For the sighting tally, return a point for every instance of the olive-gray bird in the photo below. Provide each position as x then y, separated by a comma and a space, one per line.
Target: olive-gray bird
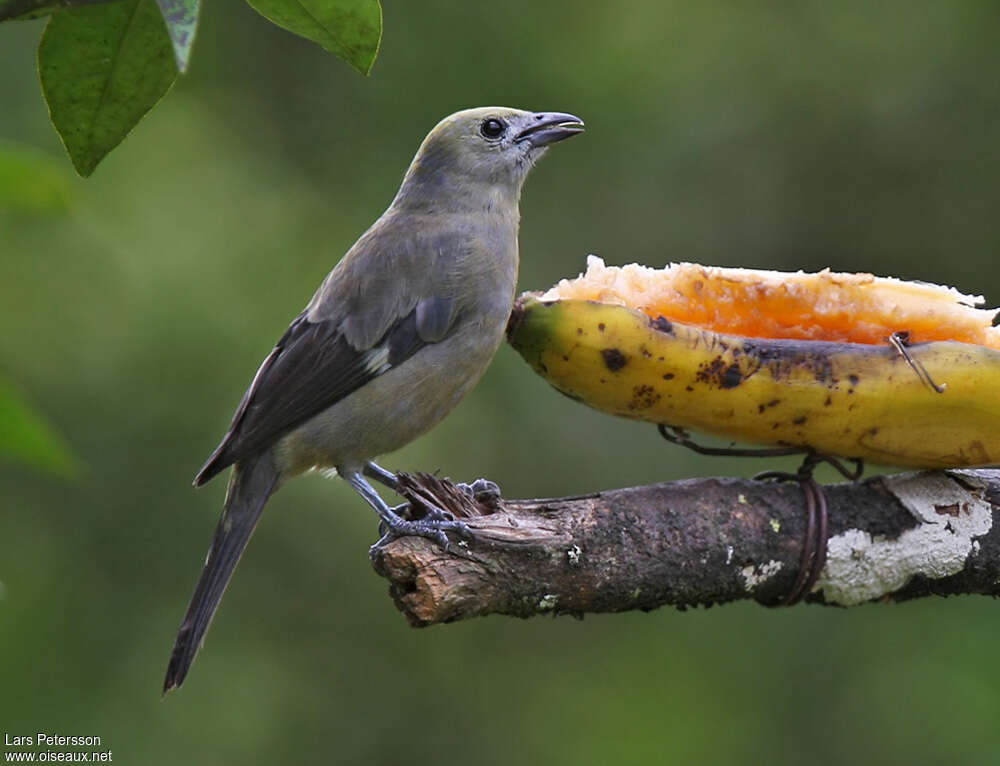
398, 332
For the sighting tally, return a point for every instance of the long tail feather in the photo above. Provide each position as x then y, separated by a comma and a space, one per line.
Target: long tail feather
251, 485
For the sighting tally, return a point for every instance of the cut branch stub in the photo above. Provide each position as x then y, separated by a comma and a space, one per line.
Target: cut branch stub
696, 541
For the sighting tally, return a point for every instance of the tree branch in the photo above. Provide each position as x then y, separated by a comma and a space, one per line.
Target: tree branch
697, 541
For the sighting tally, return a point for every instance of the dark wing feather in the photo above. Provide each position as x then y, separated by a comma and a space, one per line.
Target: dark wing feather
311, 368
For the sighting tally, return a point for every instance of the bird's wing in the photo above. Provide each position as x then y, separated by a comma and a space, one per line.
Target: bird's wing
397, 262
315, 365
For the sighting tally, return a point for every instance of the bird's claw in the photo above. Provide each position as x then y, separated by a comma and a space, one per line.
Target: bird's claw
480, 487
434, 529
437, 514
405, 511
436, 523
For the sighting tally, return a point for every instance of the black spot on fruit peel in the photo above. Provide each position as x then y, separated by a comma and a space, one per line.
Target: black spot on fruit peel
828, 402
710, 372
643, 397
732, 377
662, 324
785, 359
853, 379
668, 376
720, 374
800, 420
614, 359
600, 327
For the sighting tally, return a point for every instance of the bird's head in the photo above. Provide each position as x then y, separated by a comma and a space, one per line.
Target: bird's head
494, 146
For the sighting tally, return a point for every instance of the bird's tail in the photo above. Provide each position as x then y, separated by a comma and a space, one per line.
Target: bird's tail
252, 483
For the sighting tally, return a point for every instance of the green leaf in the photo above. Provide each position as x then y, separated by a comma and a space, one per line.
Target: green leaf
182, 22
27, 437
351, 29
102, 68
32, 181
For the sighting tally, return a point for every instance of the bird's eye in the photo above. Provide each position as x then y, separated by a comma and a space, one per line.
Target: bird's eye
492, 128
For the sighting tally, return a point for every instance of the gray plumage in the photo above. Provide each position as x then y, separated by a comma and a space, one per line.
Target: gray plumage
396, 335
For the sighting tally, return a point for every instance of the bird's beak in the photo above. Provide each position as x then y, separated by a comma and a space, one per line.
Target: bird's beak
548, 127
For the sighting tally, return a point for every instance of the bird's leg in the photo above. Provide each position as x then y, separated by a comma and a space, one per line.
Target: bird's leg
435, 528
386, 478
389, 479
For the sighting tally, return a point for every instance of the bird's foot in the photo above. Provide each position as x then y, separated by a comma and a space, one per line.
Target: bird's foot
405, 512
480, 489
434, 526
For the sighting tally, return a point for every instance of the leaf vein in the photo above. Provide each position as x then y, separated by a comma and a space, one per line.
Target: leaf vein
115, 61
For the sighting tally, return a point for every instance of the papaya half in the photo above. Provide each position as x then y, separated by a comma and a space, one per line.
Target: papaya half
893, 372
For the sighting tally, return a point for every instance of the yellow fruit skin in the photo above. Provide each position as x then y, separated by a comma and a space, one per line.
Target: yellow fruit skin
847, 399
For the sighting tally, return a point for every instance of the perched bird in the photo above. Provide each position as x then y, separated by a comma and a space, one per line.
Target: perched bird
398, 332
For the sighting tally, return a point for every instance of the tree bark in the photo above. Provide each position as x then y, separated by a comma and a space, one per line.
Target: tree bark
696, 541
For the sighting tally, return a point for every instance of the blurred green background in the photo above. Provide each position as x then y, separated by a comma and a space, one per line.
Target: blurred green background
783, 135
